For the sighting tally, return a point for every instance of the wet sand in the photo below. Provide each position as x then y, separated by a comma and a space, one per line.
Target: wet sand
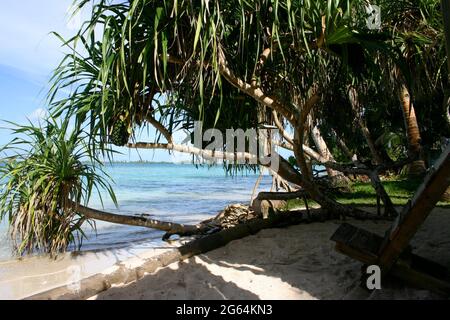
20, 278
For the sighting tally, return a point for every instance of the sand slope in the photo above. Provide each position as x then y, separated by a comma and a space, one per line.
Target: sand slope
298, 262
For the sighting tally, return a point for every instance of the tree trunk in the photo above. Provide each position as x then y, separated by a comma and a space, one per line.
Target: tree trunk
389, 209
124, 274
336, 177
445, 7
266, 201
416, 168
322, 148
343, 146
306, 143
354, 101
315, 193
140, 221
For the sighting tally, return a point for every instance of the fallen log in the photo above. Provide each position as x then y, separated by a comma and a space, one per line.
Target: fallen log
120, 274
266, 201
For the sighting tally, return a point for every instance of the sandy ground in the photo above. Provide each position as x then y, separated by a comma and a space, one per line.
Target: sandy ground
298, 262
20, 278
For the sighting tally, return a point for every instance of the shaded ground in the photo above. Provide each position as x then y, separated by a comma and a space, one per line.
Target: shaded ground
362, 193
298, 262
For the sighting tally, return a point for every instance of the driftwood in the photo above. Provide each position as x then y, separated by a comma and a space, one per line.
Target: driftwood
267, 201
100, 282
235, 222
231, 216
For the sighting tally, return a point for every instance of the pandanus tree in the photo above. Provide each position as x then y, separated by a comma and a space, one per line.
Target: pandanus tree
48, 169
231, 64
260, 52
419, 35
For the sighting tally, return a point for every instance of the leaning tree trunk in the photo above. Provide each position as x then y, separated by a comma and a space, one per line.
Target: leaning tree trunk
336, 177
312, 188
322, 148
140, 221
416, 168
445, 7
343, 146
354, 101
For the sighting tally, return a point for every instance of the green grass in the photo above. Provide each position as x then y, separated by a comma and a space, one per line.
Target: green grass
362, 193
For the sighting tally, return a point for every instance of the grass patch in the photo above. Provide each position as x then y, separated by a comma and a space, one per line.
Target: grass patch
362, 193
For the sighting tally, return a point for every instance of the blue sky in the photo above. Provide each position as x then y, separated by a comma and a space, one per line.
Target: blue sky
29, 53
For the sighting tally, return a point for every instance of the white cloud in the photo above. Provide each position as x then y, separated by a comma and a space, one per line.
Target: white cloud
25, 34
38, 115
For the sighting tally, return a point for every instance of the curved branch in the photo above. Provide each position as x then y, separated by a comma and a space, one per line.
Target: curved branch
160, 127
139, 221
343, 146
254, 92
285, 170
280, 127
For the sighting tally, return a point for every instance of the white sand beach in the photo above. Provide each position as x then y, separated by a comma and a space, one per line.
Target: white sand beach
21, 278
298, 262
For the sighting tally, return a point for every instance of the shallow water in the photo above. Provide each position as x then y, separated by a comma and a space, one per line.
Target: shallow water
171, 192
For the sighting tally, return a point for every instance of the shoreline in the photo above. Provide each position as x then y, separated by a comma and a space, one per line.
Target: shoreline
24, 277
297, 262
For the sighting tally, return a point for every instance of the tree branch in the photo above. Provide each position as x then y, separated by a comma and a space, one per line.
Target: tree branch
206, 154
254, 92
160, 127
140, 221
280, 127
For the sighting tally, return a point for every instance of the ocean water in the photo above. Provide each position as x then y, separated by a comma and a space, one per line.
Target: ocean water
170, 192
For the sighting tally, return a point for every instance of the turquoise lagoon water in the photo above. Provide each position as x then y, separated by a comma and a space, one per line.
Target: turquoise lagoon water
171, 192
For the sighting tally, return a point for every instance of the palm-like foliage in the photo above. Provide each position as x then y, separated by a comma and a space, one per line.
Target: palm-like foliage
46, 170
173, 62
174, 48
152, 47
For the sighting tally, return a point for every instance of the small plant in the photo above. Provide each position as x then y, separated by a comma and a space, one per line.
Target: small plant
45, 172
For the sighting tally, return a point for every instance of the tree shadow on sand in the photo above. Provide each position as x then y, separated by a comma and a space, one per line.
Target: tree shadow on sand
189, 281
298, 262
275, 268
